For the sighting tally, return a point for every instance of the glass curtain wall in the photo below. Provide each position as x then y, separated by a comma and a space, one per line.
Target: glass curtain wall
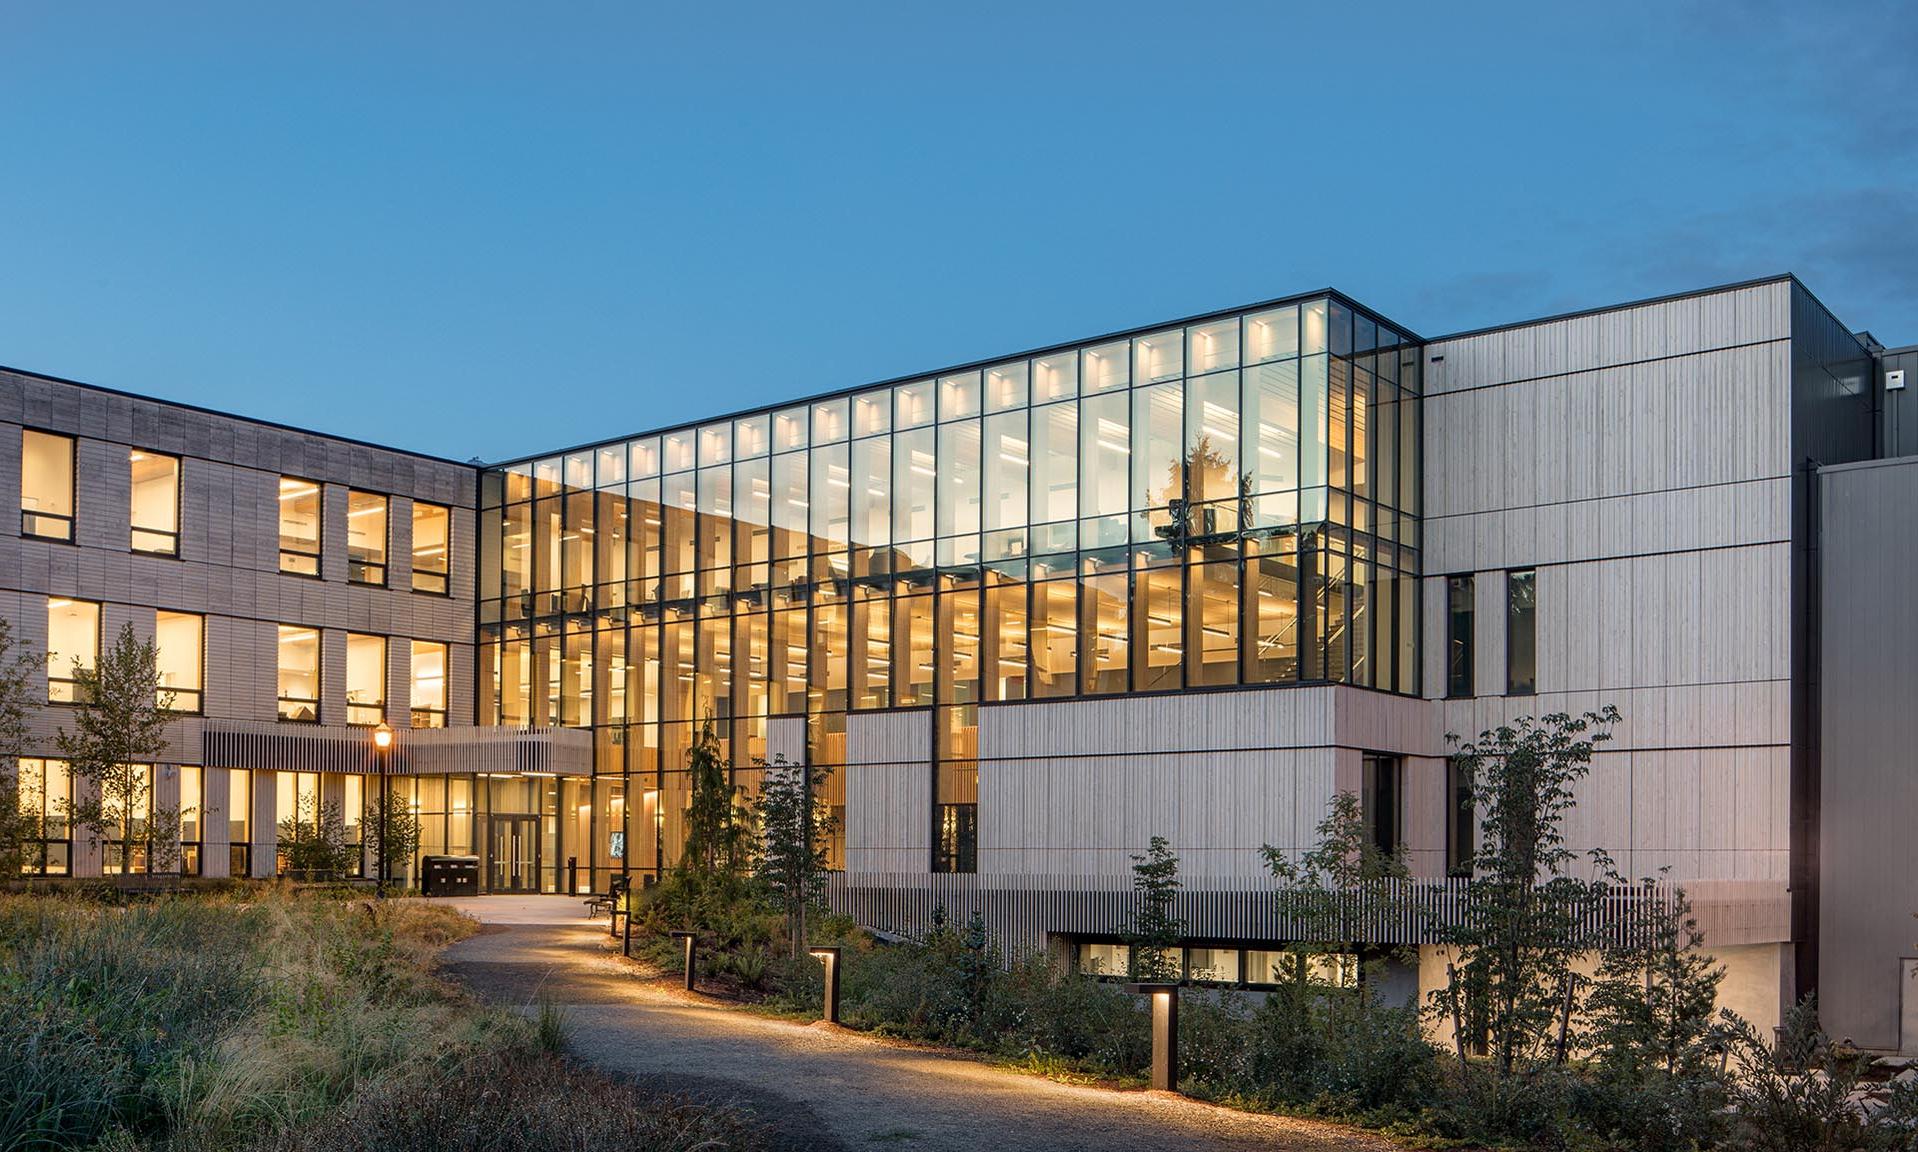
1228, 502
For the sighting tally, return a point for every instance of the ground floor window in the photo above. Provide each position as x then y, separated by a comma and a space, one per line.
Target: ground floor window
957, 849
1225, 964
45, 792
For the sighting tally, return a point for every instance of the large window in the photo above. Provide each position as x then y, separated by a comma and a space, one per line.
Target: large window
46, 485
192, 818
429, 684
179, 640
299, 526
432, 547
958, 846
1458, 636
1521, 633
155, 505
73, 643
365, 678
45, 789
366, 538
299, 674
1229, 502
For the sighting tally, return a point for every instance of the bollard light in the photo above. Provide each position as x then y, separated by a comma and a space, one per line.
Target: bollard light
1165, 1033
829, 956
689, 939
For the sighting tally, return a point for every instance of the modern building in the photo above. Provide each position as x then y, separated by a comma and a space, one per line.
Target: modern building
1188, 580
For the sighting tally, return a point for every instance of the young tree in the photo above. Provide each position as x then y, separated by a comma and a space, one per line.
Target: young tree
1652, 998
402, 830
119, 735
1154, 936
313, 841
17, 826
795, 829
1521, 928
714, 822
1330, 888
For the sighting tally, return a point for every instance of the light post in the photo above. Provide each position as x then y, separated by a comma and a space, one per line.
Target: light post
829, 956
1165, 1032
691, 942
382, 746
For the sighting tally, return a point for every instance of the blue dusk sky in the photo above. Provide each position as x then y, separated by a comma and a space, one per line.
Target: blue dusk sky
490, 230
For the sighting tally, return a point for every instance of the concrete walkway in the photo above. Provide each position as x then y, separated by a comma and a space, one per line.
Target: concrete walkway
817, 1087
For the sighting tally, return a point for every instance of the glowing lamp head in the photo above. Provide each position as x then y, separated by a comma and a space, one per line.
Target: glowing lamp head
383, 736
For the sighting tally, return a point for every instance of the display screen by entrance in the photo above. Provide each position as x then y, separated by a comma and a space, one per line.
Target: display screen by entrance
512, 854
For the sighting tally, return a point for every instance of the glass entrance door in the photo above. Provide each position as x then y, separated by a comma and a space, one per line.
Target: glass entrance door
512, 854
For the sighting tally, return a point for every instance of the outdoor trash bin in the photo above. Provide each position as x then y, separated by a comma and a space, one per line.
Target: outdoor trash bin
449, 875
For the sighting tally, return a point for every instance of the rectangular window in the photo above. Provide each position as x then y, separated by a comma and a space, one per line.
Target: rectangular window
366, 538
1212, 965
299, 662
192, 819
429, 684
73, 643
1521, 636
155, 506
432, 547
45, 788
365, 678
239, 818
958, 847
1460, 819
179, 640
1458, 641
299, 527
1104, 959
46, 485
1381, 801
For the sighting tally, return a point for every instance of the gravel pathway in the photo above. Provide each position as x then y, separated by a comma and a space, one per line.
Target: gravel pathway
820, 1088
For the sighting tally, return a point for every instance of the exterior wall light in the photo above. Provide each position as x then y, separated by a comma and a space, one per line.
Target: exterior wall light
1165, 1033
829, 956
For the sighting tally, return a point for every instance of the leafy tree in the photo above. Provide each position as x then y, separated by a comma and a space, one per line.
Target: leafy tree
1652, 998
1330, 889
402, 830
17, 826
1520, 930
313, 842
714, 823
1154, 936
795, 829
119, 734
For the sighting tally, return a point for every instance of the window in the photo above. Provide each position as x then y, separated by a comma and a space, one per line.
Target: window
192, 819
46, 485
429, 684
1460, 819
299, 527
958, 847
239, 817
1521, 636
1104, 959
73, 643
45, 788
365, 679
179, 640
1458, 642
1212, 965
299, 674
365, 538
432, 551
127, 849
1381, 801
155, 506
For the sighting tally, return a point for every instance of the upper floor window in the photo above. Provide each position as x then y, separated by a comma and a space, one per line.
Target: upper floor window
179, 641
299, 526
429, 684
46, 485
1381, 801
1521, 633
73, 643
299, 663
365, 678
432, 552
1458, 638
155, 518
365, 538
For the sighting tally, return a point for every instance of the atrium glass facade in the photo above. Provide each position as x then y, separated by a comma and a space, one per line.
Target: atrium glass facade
1228, 501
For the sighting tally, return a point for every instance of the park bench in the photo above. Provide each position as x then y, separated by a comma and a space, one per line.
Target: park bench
609, 900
